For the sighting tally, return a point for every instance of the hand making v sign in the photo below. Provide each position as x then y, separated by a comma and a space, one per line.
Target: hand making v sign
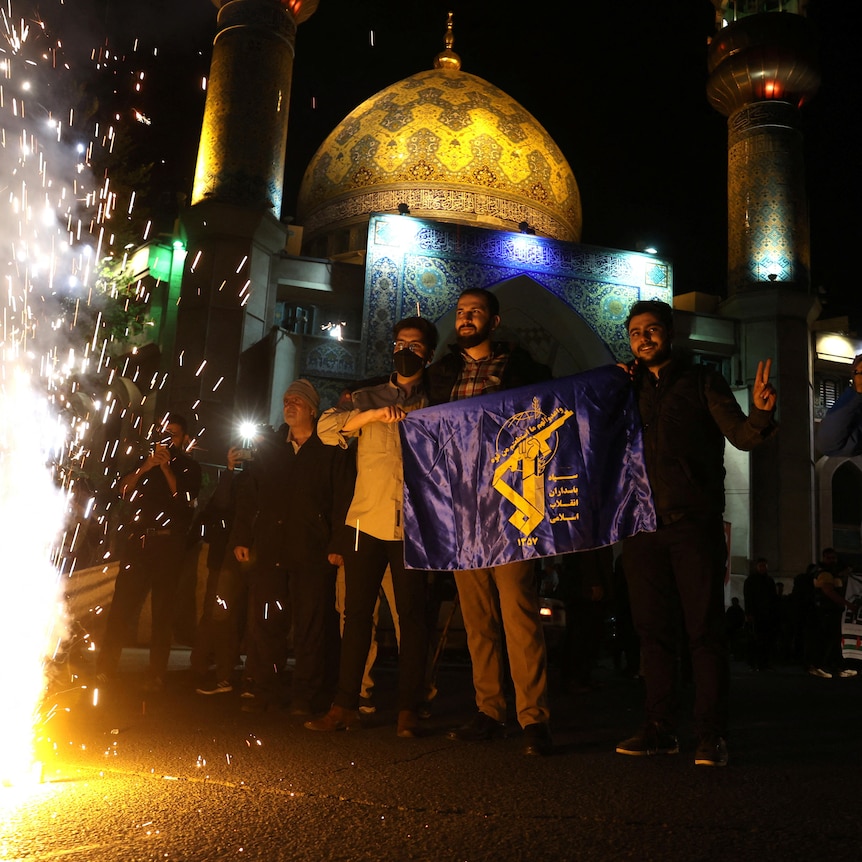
763, 394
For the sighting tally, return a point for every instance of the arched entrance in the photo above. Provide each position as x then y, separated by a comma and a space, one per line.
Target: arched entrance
553, 333
840, 485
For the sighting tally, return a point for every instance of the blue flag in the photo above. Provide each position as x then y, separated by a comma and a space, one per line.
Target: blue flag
530, 472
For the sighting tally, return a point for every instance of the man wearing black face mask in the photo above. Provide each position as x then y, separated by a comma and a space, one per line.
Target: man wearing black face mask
375, 519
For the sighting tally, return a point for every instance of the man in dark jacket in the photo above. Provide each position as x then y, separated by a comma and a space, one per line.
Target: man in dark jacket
499, 605
289, 524
687, 411
160, 495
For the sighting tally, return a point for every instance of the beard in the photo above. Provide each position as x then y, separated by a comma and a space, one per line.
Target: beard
659, 357
471, 339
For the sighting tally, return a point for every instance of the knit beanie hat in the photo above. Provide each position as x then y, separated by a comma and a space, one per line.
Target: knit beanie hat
303, 389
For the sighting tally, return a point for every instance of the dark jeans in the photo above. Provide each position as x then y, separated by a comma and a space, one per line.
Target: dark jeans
268, 629
316, 640
680, 568
762, 643
222, 622
153, 567
306, 600
363, 574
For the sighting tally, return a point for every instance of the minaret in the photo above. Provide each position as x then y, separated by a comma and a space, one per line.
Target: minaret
233, 227
761, 71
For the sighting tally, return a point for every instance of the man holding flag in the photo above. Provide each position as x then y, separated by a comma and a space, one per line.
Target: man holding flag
687, 411
500, 603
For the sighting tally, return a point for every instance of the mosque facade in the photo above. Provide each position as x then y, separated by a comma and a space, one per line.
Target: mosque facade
441, 181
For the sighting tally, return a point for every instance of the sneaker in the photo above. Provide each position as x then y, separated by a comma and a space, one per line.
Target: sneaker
818, 671
481, 728
711, 751
848, 672
650, 739
366, 706
220, 687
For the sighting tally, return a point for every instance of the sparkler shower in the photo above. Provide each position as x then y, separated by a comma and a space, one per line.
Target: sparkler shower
55, 229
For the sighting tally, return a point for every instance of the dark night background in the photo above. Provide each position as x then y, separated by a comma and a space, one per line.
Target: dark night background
619, 86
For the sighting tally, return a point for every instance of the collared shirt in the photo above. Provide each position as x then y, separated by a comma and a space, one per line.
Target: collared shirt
379, 492
479, 376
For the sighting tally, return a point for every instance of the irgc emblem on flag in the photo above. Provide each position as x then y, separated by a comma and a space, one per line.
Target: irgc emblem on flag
531, 472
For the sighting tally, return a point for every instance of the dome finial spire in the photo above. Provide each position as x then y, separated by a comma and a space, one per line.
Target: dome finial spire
448, 59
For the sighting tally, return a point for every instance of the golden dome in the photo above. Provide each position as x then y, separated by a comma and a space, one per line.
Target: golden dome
449, 145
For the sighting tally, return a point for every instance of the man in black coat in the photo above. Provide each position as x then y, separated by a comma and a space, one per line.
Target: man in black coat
687, 411
160, 495
288, 525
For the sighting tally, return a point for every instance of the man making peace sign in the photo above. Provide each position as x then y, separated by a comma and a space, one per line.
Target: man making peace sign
687, 411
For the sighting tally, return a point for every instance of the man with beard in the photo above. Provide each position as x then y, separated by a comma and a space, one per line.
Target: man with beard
687, 411
500, 604
375, 518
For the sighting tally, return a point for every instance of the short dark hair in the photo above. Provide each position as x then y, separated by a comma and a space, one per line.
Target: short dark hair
652, 306
425, 326
177, 419
490, 298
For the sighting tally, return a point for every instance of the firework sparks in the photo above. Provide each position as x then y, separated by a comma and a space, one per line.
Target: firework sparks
57, 299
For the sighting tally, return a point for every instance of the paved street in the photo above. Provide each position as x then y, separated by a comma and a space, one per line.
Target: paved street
184, 777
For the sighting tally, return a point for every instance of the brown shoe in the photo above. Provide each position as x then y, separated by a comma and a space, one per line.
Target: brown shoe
338, 718
408, 724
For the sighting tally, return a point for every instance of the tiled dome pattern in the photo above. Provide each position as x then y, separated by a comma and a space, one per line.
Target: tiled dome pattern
451, 146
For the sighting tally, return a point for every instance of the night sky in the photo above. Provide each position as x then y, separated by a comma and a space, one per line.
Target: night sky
619, 85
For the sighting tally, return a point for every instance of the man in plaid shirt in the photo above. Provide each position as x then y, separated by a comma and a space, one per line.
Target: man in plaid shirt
500, 604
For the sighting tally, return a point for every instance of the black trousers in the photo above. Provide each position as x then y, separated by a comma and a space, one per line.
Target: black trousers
679, 570
153, 567
363, 575
826, 651
223, 620
304, 599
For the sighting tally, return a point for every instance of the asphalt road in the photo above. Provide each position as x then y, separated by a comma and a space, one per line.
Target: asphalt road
179, 776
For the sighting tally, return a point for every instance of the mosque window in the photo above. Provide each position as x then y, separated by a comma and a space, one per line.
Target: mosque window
828, 392
732, 10
296, 319
715, 363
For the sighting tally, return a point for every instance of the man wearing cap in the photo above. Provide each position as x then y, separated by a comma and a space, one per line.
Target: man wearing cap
287, 524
